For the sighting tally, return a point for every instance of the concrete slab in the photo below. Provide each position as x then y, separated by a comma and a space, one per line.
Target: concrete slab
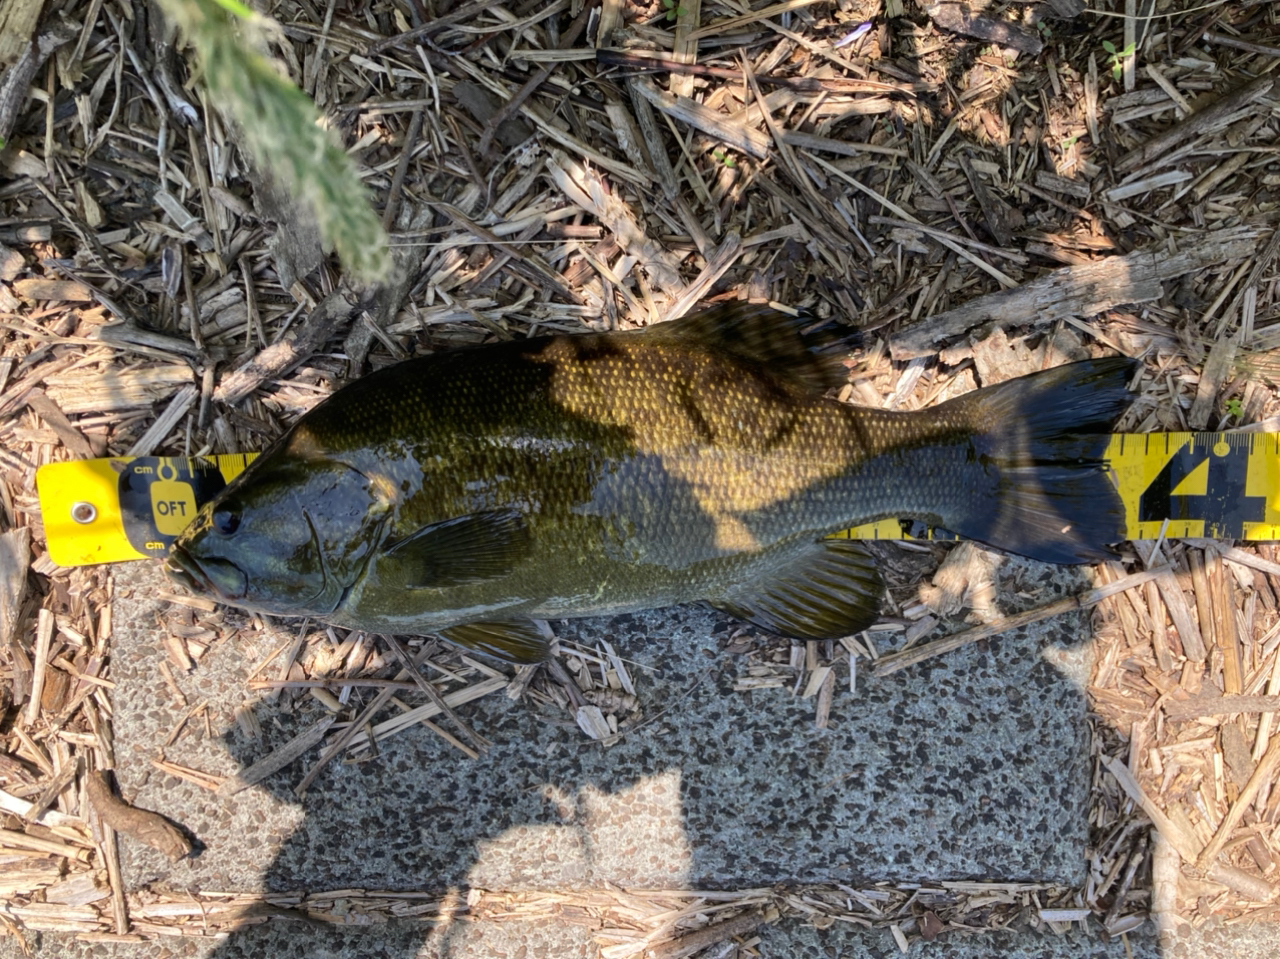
969, 767
972, 766
269, 941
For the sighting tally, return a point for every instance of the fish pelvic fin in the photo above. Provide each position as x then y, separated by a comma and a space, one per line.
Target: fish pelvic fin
830, 591
512, 641
1039, 441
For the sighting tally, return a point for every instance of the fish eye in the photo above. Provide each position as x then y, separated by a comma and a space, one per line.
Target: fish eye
226, 522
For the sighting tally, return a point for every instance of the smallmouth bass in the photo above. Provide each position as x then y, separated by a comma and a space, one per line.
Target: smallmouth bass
470, 492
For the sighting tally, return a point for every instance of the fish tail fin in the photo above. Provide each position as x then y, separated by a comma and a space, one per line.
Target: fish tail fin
1040, 442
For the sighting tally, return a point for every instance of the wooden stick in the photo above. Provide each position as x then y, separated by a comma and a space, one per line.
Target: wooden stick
426, 711
433, 694
1224, 41
343, 739
1182, 710
1175, 601
893, 662
1002, 278
711, 122
21, 840
896, 661
44, 635
700, 939
1262, 774
15, 558
330, 315
638, 63
56, 420
397, 684
1196, 124
1078, 290
933, 231
110, 850
1178, 839
353, 730
277, 759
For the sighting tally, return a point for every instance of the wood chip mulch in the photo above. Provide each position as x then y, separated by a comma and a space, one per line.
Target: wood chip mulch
983, 191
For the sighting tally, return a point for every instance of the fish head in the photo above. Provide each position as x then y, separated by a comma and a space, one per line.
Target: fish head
288, 536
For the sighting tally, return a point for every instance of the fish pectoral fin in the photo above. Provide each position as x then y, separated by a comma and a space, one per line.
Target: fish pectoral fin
513, 640
830, 592
465, 549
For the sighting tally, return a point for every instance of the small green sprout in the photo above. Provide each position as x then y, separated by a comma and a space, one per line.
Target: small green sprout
724, 158
1068, 143
1235, 408
673, 9
1118, 57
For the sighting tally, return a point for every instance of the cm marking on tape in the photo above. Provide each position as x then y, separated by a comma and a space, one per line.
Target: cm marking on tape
1220, 485
1217, 485
108, 510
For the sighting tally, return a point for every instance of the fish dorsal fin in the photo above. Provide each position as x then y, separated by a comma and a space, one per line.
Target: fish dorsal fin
461, 550
786, 346
832, 591
514, 640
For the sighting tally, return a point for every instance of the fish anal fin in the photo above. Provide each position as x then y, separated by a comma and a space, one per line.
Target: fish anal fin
831, 591
514, 640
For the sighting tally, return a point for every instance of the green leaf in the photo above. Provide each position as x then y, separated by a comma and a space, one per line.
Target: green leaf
1109, 47
282, 129
1235, 408
236, 8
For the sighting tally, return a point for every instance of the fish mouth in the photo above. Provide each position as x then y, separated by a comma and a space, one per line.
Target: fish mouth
219, 577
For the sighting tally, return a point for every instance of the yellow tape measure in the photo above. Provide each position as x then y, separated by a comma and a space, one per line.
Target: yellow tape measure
126, 507
1220, 485
1215, 485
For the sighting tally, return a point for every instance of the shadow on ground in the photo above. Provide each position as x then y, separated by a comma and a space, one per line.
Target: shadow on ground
971, 766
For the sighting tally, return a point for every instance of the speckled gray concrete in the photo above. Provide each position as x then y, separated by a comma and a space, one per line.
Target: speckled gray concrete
543, 939
970, 766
